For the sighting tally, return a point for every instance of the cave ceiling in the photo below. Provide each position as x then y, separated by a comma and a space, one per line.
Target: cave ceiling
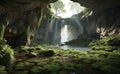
25, 5
16, 8
99, 5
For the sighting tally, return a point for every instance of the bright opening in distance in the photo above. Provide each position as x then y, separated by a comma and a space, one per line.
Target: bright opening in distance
70, 9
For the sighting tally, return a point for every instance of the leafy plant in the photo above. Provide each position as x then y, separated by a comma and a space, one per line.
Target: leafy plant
6, 55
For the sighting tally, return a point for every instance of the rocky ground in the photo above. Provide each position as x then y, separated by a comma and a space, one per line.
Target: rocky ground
39, 60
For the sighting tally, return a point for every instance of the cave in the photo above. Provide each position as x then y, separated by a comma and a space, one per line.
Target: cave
59, 36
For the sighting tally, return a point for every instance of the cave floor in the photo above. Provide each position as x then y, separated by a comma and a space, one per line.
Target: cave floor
39, 60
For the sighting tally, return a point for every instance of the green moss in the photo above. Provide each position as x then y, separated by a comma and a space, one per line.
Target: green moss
22, 66
109, 69
36, 70
110, 43
7, 55
69, 67
26, 49
68, 61
97, 65
21, 72
54, 67
3, 72
31, 54
42, 64
2, 68
47, 53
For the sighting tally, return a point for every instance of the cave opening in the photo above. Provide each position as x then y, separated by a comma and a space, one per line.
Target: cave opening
66, 8
70, 27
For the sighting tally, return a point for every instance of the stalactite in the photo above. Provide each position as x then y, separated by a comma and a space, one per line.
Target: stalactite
40, 18
28, 35
2, 29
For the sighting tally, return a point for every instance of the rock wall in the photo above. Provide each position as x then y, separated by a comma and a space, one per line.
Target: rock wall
104, 20
21, 18
98, 6
107, 22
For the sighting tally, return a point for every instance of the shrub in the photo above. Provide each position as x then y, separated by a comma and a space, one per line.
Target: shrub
109, 43
6, 55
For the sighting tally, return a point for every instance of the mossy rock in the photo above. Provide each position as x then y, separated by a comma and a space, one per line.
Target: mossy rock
69, 67
6, 55
21, 72
41, 63
114, 41
36, 70
107, 41
110, 43
22, 66
38, 48
97, 65
3, 72
31, 54
98, 48
47, 53
109, 69
2, 42
2, 68
53, 67
26, 49
63, 72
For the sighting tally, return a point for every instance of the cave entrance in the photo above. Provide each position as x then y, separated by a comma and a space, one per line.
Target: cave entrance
66, 8
67, 13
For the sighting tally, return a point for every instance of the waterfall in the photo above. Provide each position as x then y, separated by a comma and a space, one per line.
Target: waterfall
64, 30
72, 30
64, 34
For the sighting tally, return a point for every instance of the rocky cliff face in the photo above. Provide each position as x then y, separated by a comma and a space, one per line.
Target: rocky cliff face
105, 15
99, 5
20, 19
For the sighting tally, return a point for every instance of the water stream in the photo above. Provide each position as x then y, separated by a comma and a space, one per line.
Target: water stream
67, 47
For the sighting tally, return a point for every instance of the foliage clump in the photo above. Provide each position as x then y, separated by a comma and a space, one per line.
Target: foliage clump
31, 52
2, 70
108, 43
6, 54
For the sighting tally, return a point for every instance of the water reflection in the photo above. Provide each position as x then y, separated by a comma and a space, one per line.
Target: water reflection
66, 47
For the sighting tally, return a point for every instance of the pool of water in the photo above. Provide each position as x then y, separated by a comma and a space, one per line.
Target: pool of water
66, 47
